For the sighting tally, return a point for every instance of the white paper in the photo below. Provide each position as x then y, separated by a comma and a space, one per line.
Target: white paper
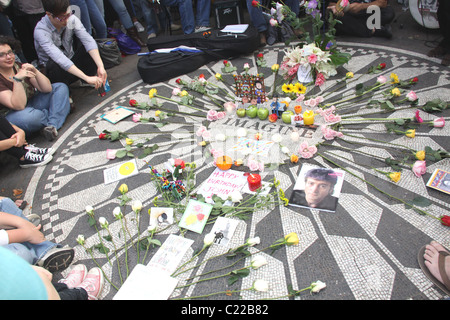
224, 229
145, 283
222, 183
235, 28
120, 171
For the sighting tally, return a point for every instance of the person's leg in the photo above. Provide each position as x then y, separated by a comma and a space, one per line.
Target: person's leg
149, 17
82, 8
97, 20
101, 7
29, 119
294, 5
186, 13
66, 293
257, 20
6, 133
203, 13
125, 19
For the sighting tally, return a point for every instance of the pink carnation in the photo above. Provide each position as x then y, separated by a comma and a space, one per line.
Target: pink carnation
300, 98
221, 115
320, 79
331, 118
211, 115
330, 134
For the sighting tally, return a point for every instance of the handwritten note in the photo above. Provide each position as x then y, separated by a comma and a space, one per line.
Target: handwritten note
222, 183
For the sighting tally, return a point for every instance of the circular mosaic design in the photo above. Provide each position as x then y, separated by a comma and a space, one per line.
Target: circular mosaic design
367, 249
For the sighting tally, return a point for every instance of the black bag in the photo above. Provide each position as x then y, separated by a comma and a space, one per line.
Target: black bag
213, 46
109, 52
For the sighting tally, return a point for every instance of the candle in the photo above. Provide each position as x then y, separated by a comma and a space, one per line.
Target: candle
224, 162
298, 109
254, 181
308, 117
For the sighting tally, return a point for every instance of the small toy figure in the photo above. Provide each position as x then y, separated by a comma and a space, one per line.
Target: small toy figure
277, 107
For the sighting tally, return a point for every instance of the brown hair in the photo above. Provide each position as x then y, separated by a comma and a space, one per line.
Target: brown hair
56, 7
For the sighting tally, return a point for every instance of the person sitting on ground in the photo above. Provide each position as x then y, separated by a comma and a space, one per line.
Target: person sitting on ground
12, 141
27, 98
443, 48
355, 18
21, 281
434, 260
54, 39
24, 238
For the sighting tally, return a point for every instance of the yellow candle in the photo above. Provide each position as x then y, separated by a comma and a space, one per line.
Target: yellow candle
308, 117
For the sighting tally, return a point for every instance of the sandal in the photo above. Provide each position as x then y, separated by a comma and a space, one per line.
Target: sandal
442, 254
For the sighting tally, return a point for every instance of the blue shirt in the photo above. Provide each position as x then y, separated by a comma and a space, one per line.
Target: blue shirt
58, 45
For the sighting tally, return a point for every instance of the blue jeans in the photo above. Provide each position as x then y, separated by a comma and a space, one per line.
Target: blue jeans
203, 13
30, 252
44, 109
122, 12
186, 13
150, 17
91, 17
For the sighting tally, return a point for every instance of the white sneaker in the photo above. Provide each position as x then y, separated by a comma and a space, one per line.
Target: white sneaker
201, 29
151, 35
139, 26
175, 27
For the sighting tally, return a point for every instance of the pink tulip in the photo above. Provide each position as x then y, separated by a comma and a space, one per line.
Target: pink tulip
439, 123
419, 168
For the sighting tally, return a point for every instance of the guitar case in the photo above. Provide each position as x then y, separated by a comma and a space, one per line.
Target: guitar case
161, 64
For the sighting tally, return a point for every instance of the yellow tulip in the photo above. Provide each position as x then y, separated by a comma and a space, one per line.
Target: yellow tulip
394, 78
395, 176
420, 155
152, 93
411, 133
291, 239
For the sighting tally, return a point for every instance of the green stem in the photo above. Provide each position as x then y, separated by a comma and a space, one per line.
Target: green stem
216, 293
115, 253
356, 96
211, 278
104, 274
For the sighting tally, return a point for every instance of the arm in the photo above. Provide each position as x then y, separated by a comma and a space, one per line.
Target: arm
358, 7
101, 72
24, 231
39, 80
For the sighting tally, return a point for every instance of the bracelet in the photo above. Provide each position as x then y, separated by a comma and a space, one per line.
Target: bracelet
17, 79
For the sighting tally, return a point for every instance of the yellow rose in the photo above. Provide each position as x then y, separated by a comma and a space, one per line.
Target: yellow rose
349, 75
420, 155
129, 141
275, 67
157, 113
218, 76
123, 188
291, 239
394, 176
411, 133
183, 93
152, 93
396, 92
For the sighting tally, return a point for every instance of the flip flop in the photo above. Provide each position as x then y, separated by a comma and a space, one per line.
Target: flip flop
442, 254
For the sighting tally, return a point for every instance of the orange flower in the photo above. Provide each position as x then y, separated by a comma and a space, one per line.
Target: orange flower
294, 158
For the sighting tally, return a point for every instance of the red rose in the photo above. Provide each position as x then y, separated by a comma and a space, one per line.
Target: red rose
255, 3
178, 81
202, 76
133, 102
382, 66
445, 220
102, 136
260, 55
225, 62
414, 80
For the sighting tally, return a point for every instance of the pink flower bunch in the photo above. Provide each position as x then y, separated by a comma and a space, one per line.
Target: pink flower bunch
213, 115
216, 154
320, 79
204, 133
306, 151
419, 168
330, 134
137, 117
254, 165
313, 102
328, 115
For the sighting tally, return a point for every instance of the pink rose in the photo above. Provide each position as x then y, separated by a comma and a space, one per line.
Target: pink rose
206, 135
411, 96
381, 79
419, 168
330, 134
307, 151
344, 3
332, 118
221, 115
176, 91
273, 22
439, 123
137, 117
110, 154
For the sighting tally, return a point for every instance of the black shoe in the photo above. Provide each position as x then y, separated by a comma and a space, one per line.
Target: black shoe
384, 32
50, 133
57, 259
32, 148
34, 160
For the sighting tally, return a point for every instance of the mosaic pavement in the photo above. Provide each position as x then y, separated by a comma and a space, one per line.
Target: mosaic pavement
366, 250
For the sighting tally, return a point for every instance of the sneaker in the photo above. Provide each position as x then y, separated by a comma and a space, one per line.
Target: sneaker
93, 283
139, 26
34, 219
34, 160
32, 148
50, 133
151, 35
75, 277
201, 29
57, 259
175, 27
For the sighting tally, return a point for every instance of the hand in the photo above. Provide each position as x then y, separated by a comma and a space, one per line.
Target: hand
95, 81
101, 73
34, 235
20, 138
26, 72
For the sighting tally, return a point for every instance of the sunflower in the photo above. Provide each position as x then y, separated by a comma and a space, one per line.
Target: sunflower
299, 88
287, 88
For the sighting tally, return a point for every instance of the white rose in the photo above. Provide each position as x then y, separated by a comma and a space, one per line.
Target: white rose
236, 196
285, 150
209, 239
117, 213
253, 241
317, 286
241, 132
103, 222
276, 138
89, 209
137, 205
261, 285
258, 262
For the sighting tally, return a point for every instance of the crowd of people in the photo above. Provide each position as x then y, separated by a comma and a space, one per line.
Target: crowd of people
58, 47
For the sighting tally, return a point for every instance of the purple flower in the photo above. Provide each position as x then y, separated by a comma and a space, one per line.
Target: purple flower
312, 4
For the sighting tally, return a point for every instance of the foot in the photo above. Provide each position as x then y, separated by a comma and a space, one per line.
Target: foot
446, 60
436, 52
34, 219
175, 27
139, 26
201, 29
75, 277
57, 259
431, 257
31, 159
151, 35
93, 283
50, 133
32, 148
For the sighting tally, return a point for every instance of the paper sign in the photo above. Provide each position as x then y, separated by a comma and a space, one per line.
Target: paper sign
117, 114
169, 255
440, 180
252, 146
222, 183
223, 230
145, 283
120, 171
195, 216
